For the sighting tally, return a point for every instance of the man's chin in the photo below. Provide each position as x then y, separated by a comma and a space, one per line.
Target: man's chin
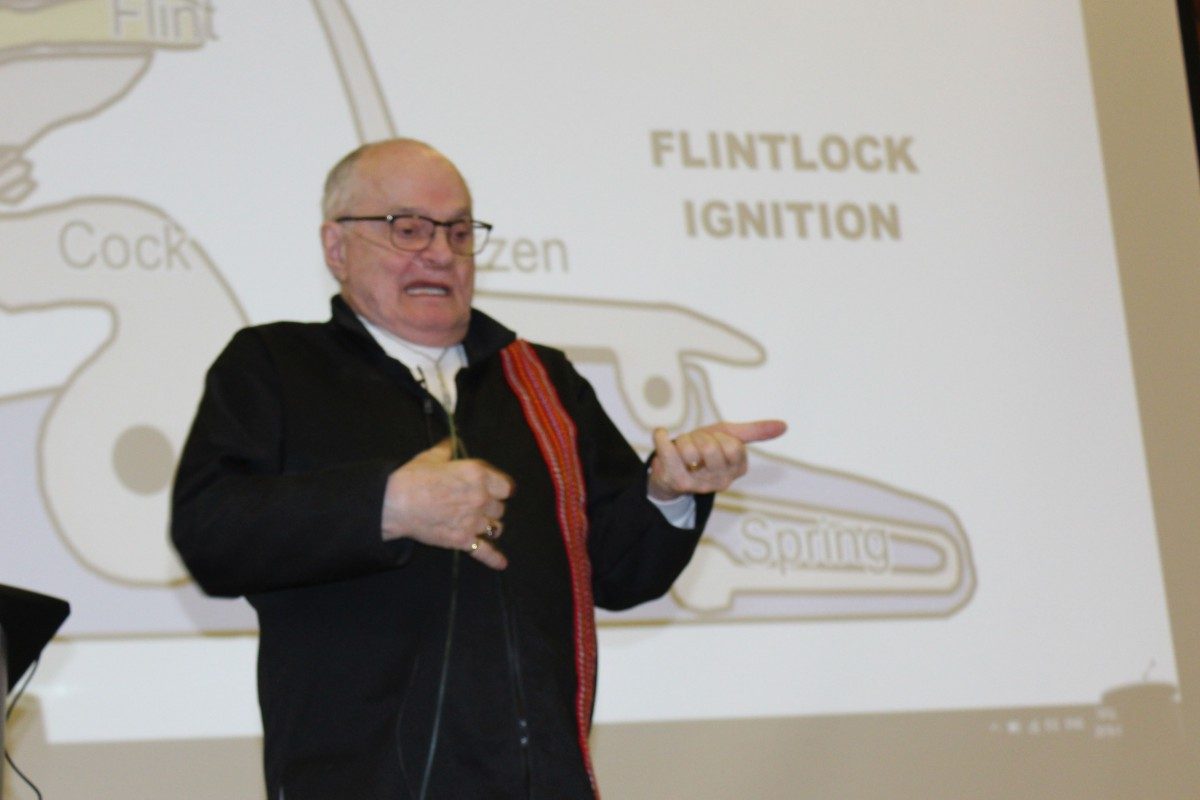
431, 329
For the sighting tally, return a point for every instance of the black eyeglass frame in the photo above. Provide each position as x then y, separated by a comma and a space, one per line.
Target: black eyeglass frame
477, 225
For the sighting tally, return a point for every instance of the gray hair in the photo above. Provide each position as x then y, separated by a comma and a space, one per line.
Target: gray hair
339, 182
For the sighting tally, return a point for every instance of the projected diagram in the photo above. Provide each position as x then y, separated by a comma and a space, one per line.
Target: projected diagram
795, 541
111, 425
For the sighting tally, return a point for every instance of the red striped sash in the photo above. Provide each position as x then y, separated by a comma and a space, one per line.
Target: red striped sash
555, 433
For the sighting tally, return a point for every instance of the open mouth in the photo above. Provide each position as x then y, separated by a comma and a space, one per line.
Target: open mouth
426, 290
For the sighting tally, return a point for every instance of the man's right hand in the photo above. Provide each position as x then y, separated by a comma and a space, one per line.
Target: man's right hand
455, 504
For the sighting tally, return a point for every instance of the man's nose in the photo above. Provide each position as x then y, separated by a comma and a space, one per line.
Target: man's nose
438, 250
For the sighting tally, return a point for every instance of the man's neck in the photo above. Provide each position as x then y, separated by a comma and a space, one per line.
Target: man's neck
433, 367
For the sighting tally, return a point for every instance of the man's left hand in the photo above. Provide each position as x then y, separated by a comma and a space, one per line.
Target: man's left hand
707, 459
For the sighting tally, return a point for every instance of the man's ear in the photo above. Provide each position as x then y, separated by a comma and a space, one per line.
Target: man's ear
333, 245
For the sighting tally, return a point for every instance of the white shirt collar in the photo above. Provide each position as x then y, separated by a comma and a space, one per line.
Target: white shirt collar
433, 367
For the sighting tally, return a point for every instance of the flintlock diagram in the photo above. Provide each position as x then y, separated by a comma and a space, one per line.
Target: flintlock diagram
793, 541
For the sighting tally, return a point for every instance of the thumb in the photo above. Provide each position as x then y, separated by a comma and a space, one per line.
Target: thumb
440, 453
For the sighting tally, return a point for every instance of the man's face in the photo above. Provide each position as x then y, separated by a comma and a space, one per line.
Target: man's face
423, 296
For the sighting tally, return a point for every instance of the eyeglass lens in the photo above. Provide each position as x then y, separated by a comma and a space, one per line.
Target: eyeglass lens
464, 237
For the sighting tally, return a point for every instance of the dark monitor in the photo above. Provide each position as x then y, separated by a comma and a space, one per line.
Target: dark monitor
29, 620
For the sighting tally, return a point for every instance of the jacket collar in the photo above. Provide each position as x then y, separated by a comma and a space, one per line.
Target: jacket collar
485, 336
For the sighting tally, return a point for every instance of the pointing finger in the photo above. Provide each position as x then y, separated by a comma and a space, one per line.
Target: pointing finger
756, 431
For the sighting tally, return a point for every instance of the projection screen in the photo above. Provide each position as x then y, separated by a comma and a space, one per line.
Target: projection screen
953, 244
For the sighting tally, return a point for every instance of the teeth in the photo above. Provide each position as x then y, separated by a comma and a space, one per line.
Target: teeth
433, 291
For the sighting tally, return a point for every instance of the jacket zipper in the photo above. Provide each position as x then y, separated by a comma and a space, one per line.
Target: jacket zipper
514, 672
512, 653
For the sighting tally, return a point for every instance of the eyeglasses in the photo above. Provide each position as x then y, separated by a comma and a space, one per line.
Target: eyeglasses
413, 232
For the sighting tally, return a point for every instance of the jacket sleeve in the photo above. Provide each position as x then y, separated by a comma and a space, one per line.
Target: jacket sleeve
242, 523
635, 553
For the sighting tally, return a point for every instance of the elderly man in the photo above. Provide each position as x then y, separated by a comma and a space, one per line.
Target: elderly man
423, 510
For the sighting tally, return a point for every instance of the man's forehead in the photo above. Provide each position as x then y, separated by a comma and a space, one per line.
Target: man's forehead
410, 177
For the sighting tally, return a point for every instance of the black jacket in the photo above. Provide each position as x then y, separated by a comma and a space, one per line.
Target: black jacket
278, 497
